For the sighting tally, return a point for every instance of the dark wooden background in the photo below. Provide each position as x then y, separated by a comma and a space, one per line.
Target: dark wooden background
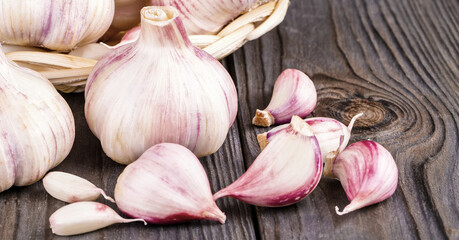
395, 60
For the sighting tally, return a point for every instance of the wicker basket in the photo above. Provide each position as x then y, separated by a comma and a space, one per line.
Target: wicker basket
69, 73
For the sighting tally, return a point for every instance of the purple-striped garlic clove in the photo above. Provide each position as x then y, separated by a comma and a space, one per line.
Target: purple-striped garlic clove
285, 172
294, 94
70, 188
181, 94
57, 25
332, 135
167, 184
368, 174
83, 217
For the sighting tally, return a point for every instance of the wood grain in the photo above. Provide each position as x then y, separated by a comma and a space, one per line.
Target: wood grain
395, 60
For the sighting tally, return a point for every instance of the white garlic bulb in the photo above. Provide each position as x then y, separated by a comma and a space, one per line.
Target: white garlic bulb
207, 16
36, 125
159, 89
57, 25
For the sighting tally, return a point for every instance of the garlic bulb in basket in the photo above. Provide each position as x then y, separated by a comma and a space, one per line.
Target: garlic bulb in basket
207, 16
57, 25
159, 89
36, 125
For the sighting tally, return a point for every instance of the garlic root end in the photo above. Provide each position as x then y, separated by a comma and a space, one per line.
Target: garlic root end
263, 118
262, 140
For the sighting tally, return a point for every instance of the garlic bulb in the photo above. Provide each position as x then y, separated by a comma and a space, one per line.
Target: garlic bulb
159, 89
333, 137
207, 16
285, 172
368, 174
57, 25
294, 94
83, 217
36, 125
70, 188
167, 184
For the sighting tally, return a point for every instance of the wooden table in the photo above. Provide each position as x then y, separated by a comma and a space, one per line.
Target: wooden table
395, 60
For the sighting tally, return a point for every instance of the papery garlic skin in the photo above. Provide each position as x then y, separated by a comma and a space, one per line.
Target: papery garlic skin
333, 137
368, 174
159, 89
37, 128
57, 25
71, 188
294, 94
167, 184
207, 16
83, 217
285, 172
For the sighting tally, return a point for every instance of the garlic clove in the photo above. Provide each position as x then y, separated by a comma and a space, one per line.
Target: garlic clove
57, 25
208, 16
332, 135
83, 217
158, 89
368, 174
294, 94
37, 127
70, 188
167, 184
285, 172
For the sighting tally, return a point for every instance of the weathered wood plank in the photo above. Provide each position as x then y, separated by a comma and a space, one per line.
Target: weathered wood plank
397, 61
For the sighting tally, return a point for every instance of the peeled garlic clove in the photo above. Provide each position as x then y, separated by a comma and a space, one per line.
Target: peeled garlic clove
57, 25
208, 16
331, 134
167, 184
83, 217
293, 94
285, 172
159, 89
70, 188
368, 174
37, 128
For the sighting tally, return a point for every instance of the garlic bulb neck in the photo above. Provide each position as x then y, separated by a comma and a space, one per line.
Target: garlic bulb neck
162, 26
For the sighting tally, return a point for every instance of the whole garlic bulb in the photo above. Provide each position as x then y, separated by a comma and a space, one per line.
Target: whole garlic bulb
159, 89
36, 125
58, 25
207, 16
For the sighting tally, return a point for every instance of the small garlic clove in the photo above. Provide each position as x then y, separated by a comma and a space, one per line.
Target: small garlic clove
70, 188
333, 137
167, 184
285, 172
83, 217
368, 174
294, 94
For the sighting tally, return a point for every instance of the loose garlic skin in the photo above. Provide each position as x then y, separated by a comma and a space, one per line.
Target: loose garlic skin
284, 173
83, 217
159, 89
368, 174
208, 16
70, 188
57, 25
37, 128
167, 184
333, 137
294, 94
